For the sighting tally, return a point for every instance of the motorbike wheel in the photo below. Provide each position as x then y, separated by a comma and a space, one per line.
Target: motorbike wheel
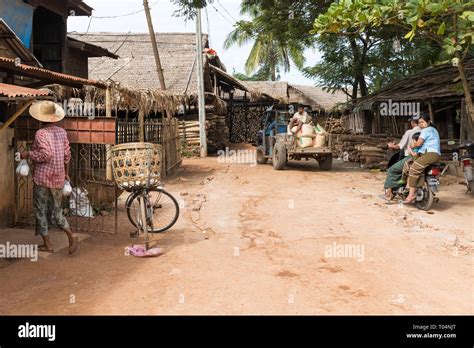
427, 201
261, 159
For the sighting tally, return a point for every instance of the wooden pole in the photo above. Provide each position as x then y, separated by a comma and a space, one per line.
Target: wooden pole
16, 115
159, 70
430, 108
141, 124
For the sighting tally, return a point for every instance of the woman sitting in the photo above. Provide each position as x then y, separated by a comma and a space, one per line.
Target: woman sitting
429, 152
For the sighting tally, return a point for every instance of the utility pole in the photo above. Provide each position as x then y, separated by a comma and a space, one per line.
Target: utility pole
159, 70
200, 80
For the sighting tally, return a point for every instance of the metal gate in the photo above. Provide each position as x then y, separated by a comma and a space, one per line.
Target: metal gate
93, 206
157, 131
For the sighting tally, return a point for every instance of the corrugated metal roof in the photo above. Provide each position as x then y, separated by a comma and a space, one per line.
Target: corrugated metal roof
13, 91
47, 75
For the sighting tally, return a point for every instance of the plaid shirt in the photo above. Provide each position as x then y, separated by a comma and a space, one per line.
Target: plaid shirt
49, 152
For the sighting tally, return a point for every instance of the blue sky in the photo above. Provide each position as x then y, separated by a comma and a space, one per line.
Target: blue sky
222, 14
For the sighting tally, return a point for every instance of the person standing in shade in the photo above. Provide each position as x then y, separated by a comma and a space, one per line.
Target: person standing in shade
50, 155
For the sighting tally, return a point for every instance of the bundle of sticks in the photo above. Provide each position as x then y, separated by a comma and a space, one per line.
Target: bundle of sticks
216, 130
335, 126
246, 122
371, 151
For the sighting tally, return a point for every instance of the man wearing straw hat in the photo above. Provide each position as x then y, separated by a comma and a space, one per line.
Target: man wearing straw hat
50, 154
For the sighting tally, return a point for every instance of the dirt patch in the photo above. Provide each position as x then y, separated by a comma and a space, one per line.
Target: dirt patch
252, 240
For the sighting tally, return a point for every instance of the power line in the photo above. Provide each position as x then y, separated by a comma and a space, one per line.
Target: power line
227, 20
115, 52
235, 20
126, 14
88, 27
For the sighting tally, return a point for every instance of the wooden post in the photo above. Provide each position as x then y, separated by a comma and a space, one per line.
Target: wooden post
16, 115
108, 148
159, 69
450, 123
141, 125
215, 85
164, 142
430, 108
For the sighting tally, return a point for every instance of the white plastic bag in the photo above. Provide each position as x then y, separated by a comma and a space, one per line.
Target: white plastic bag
23, 168
79, 203
67, 189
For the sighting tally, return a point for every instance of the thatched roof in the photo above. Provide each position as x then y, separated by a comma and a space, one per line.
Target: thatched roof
287, 93
277, 90
437, 82
321, 99
136, 66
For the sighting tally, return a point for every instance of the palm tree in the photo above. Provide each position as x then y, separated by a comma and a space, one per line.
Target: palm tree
269, 53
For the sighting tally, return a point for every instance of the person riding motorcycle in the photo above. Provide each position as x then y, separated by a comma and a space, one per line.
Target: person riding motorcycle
394, 173
430, 153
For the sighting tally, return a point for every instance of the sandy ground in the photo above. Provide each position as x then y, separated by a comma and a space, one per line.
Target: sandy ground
251, 240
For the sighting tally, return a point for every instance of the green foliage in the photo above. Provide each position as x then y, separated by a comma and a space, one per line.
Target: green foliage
447, 22
187, 8
263, 74
274, 46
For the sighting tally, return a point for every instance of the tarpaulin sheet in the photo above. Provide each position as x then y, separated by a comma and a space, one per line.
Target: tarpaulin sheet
19, 17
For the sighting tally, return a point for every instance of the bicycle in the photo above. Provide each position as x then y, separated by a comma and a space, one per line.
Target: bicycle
150, 208
156, 200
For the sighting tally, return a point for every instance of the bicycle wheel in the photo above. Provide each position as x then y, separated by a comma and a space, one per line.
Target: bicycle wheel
162, 210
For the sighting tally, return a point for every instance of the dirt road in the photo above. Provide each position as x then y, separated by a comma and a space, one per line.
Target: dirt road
251, 240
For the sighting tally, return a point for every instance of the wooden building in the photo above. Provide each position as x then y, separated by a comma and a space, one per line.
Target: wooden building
436, 90
247, 109
136, 69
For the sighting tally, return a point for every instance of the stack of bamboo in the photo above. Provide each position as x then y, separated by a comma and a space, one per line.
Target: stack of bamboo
216, 129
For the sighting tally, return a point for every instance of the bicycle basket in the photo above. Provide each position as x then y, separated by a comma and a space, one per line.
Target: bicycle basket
136, 165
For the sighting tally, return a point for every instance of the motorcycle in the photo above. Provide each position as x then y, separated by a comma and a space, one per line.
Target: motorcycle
466, 163
426, 193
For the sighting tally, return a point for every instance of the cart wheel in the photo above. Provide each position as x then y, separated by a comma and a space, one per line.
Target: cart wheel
279, 156
261, 159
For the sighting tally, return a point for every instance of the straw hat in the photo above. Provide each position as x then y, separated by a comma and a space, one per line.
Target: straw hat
47, 111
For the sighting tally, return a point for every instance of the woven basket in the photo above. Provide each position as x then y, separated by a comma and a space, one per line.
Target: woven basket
136, 165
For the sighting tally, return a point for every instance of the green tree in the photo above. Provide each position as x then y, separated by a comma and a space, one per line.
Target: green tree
371, 62
261, 75
269, 52
449, 23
